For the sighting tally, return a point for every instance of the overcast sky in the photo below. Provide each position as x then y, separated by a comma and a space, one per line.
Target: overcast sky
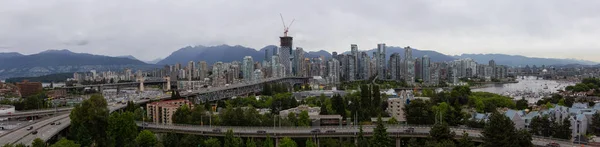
149, 29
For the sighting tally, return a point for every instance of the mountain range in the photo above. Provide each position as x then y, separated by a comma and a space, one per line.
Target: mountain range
224, 53
14, 64
416, 53
61, 61
518, 60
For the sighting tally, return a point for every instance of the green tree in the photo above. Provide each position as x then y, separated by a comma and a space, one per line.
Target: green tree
499, 131
523, 138
418, 112
365, 103
232, 141
337, 103
7, 145
303, 119
440, 132
293, 119
330, 142
561, 102
146, 139
595, 126
376, 108
130, 106
461, 93
63, 142
287, 142
465, 141
562, 129
267, 90
380, 135
20, 145
536, 125
182, 115
190, 140
443, 143
170, 140
213, 142
37, 142
121, 129
268, 142
310, 143
362, 140
392, 121
251, 143
522, 104
89, 121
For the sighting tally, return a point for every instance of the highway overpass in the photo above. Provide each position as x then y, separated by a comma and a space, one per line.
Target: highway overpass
395, 131
36, 112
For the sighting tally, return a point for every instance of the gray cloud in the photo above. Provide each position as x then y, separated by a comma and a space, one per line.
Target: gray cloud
150, 29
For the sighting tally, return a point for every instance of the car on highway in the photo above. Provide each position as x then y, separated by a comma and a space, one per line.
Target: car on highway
410, 130
217, 130
58, 123
145, 124
316, 131
553, 144
34, 132
261, 131
330, 131
53, 123
30, 127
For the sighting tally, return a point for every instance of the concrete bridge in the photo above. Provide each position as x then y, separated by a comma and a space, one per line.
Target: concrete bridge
225, 92
139, 83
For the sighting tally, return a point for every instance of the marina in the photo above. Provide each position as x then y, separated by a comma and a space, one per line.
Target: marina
530, 88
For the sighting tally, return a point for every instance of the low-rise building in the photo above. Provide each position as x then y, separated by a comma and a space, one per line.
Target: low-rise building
312, 111
162, 112
27, 88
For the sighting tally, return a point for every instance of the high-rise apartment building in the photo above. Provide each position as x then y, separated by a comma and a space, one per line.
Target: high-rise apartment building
298, 64
394, 66
425, 69
248, 68
409, 66
355, 54
381, 61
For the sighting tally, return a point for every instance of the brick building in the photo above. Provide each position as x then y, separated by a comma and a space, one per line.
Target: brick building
162, 112
27, 88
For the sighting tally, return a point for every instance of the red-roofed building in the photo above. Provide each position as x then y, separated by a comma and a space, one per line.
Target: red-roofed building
162, 112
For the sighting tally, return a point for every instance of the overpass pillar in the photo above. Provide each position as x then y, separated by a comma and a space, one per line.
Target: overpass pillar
398, 142
276, 142
141, 80
168, 86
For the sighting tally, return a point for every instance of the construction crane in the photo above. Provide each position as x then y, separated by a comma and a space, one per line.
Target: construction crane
285, 28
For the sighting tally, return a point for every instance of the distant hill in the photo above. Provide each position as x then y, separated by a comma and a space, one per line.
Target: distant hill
223, 53
154, 61
10, 54
317, 54
128, 57
61, 61
416, 53
518, 60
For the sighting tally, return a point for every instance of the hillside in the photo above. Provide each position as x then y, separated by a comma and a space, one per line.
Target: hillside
517, 60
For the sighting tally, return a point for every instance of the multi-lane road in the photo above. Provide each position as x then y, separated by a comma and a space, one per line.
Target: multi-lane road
41, 126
